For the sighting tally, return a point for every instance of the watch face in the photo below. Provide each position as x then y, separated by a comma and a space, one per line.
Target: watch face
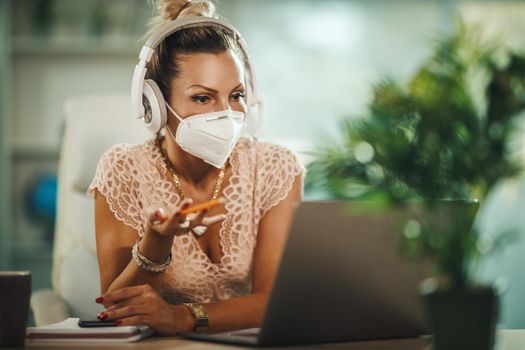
200, 315
199, 310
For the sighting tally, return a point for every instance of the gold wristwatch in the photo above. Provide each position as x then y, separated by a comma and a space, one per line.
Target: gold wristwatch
200, 315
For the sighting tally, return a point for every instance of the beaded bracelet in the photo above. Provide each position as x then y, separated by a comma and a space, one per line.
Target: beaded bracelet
145, 263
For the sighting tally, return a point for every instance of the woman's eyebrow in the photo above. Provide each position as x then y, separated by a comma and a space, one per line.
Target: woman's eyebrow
202, 86
241, 85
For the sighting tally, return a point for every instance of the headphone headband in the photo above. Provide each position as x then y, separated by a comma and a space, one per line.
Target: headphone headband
187, 22
140, 90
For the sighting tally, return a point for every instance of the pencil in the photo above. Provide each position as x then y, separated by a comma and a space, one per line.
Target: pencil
202, 206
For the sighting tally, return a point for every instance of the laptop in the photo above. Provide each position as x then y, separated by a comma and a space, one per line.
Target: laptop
342, 278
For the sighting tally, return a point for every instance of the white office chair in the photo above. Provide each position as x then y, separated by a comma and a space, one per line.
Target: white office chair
503, 210
92, 125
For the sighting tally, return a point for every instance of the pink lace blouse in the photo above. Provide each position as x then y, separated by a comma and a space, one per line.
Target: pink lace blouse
133, 179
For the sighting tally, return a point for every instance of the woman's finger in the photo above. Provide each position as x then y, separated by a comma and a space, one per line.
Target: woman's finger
124, 303
119, 295
132, 309
158, 217
133, 320
191, 216
176, 218
198, 217
212, 220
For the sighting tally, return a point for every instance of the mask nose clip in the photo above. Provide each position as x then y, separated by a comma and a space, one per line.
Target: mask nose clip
217, 117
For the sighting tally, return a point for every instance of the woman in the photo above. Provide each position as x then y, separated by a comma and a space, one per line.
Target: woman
213, 270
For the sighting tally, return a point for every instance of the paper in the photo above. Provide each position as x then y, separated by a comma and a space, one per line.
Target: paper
69, 331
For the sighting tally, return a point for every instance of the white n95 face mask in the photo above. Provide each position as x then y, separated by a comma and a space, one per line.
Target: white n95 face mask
209, 136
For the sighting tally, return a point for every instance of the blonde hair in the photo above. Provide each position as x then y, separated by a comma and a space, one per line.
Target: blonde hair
163, 66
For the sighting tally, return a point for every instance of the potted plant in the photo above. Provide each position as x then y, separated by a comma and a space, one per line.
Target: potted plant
447, 133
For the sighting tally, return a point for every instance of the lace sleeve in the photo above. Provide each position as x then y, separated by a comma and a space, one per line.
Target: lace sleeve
114, 178
277, 170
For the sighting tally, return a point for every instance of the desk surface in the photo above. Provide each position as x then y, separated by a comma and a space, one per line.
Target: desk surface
507, 340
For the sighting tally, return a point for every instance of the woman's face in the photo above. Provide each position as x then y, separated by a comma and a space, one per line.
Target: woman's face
208, 83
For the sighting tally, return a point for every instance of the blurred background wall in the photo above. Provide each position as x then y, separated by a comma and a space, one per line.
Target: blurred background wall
315, 61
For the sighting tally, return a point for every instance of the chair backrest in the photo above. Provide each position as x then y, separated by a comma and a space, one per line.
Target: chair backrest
503, 212
92, 125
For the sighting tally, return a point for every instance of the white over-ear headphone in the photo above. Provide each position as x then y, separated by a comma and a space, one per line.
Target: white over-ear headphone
146, 98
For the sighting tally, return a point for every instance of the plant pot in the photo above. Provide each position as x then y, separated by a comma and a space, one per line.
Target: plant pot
462, 319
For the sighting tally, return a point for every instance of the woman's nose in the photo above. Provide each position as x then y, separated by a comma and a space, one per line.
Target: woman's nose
223, 105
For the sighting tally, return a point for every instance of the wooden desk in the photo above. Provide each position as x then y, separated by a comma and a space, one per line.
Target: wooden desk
507, 340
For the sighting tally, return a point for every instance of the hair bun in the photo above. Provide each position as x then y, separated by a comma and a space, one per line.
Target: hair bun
169, 10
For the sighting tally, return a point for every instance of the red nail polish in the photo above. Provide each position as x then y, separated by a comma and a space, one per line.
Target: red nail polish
99, 300
118, 322
102, 316
186, 205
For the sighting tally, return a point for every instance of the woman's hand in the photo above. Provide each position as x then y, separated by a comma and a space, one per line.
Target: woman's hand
143, 305
175, 224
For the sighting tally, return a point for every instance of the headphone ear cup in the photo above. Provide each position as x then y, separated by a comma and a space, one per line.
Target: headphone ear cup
155, 115
254, 103
253, 118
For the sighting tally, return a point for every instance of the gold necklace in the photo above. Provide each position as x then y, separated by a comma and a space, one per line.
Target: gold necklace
198, 230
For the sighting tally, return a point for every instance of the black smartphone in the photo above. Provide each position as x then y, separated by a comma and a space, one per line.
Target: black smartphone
95, 323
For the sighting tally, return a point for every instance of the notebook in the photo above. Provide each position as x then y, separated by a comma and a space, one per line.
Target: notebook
69, 331
342, 278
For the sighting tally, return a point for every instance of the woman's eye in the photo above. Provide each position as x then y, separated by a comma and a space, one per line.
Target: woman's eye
237, 96
200, 99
